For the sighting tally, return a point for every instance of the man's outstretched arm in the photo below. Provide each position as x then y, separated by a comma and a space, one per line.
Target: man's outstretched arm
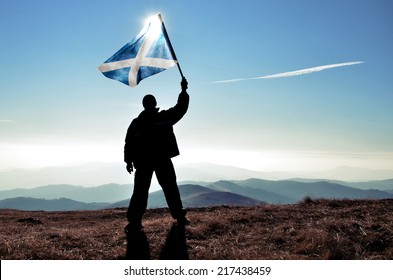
175, 113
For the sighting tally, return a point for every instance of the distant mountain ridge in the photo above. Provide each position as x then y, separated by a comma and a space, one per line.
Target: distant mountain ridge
95, 174
235, 192
382, 185
105, 193
196, 196
320, 189
61, 204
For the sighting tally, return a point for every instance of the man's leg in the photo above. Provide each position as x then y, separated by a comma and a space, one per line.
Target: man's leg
166, 177
138, 202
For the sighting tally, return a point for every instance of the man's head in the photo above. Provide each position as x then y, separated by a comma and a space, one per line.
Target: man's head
149, 102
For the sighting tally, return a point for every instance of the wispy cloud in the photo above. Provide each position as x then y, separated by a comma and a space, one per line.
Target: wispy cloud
293, 73
6, 121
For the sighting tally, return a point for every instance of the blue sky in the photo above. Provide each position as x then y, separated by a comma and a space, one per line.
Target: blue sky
57, 108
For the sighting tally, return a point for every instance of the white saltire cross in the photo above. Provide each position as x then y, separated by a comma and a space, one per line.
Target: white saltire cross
141, 59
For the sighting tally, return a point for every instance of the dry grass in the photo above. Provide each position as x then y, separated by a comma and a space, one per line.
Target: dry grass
320, 229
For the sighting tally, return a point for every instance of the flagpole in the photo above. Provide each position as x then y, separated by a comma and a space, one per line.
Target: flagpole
178, 66
173, 51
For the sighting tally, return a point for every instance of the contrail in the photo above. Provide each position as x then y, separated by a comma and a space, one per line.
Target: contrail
293, 73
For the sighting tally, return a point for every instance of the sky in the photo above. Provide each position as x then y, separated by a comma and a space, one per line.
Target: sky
56, 108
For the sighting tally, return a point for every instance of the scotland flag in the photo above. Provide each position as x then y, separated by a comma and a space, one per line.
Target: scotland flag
149, 53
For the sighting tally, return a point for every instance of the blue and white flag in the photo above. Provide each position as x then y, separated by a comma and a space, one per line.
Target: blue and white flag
149, 53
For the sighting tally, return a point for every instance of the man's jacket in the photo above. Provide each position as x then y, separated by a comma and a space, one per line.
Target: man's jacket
150, 136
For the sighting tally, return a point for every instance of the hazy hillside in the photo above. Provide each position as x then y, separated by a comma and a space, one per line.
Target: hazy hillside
382, 185
213, 172
95, 174
46, 192
157, 199
219, 199
311, 230
196, 196
104, 193
241, 193
61, 204
354, 174
88, 174
250, 191
298, 190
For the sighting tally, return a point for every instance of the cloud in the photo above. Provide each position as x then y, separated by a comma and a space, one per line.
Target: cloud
293, 73
6, 121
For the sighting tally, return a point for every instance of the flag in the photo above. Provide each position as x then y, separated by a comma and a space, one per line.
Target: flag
149, 53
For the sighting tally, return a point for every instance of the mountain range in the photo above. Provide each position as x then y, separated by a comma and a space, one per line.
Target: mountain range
95, 174
224, 192
61, 204
108, 193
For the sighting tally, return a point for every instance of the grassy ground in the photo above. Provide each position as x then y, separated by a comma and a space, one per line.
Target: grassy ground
312, 229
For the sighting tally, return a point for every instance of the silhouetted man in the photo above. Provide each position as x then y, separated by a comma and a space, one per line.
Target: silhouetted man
149, 146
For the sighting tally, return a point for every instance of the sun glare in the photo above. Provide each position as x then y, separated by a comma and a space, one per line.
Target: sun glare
154, 24
35, 156
288, 161
253, 160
